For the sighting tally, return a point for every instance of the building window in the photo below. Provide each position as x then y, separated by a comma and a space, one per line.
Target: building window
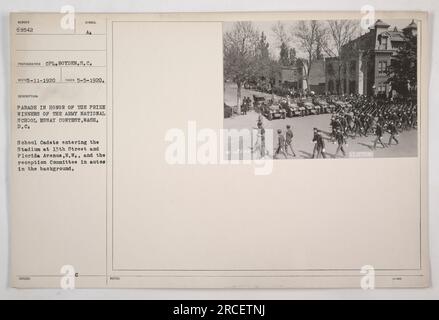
382, 67
353, 66
383, 45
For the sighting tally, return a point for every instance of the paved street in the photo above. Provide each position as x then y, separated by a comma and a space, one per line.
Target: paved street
303, 132
360, 147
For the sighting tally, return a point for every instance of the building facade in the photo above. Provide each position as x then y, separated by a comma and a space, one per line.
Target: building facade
294, 76
363, 62
317, 77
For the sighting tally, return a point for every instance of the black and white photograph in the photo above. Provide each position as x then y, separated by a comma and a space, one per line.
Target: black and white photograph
149, 153
323, 88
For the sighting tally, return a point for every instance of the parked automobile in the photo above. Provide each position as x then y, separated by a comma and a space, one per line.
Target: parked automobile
309, 107
322, 104
258, 103
296, 109
291, 108
274, 111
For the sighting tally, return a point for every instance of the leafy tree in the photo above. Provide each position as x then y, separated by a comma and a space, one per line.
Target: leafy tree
262, 47
284, 55
293, 56
402, 71
265, 68
287, 55
240, 55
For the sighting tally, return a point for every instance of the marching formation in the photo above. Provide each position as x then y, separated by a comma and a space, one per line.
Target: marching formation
363, 116
351, 117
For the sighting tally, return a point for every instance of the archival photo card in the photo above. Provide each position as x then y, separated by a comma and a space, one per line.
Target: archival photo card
348, 87
144, 150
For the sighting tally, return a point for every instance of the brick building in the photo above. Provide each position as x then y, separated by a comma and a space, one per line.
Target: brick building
317, 78
362, 65
295, 76
292, 76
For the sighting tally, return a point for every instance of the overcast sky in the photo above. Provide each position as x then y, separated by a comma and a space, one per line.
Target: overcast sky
266, 26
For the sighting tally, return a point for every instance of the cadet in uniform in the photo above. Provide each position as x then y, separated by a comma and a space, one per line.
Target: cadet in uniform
335, 124
280, 144
339, 137
289, 140
379, 135
319, 144
393, 132
358, 128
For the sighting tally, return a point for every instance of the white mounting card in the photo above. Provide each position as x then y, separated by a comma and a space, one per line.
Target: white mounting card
227, 150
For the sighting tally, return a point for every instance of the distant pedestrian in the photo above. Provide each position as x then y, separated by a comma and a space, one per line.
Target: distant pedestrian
289, 140
339, 137
319, 145
393, 133
280, 144
379, 135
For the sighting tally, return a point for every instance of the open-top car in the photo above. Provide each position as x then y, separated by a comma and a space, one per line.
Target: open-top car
274, 111
295, 109
326, 107
302, 109
284, 104
258, 103
291, 108
310, 108
322, 104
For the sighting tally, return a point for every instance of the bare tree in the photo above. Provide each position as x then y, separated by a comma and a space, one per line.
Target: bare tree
321, 41
340, 33
281, 34
310, 36
287, 55
240, 46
